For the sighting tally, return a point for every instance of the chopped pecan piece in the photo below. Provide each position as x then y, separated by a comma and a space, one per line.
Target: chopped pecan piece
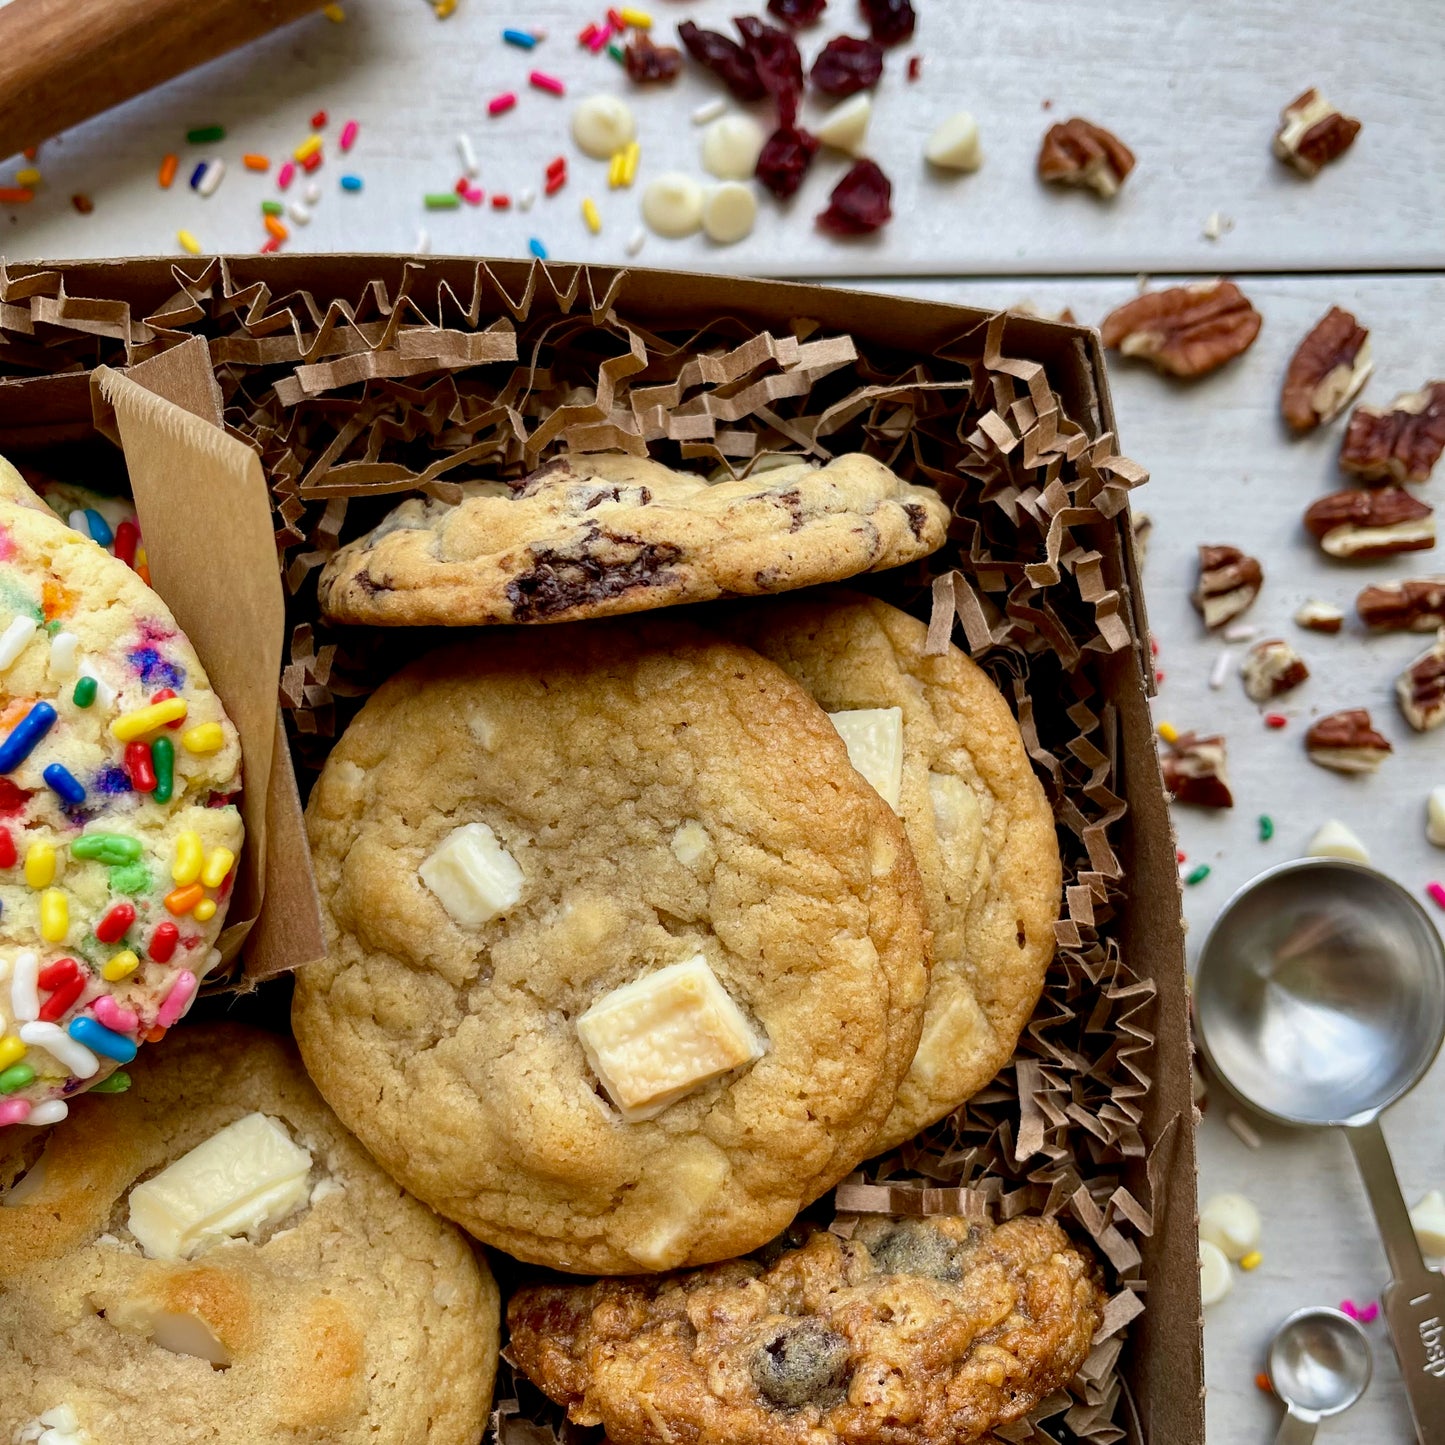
1416, 604
1326, 372
1228, 582
1347, 742
1272, 668
1077, 152
1421, 688
1357, 525
1194, 771
1317, 616
1312, 133
1401, 444
1185, 330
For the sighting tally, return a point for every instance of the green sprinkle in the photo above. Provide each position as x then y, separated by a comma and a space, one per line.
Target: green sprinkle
109, 848
163, 760
133, 879
117, 1083
272, 208
1197, 875
203, 135
442, 200
1266, 827
615, 51
15, 1077
84, 693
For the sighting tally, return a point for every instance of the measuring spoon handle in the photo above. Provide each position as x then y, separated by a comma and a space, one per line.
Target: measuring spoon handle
1296, 1430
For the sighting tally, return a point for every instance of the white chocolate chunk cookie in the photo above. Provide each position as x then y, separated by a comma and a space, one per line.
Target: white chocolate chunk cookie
692, 1018
119, 829
599, 534
297, 1294
975, 815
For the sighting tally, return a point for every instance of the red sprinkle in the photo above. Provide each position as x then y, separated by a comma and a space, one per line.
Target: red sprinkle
165, 695
139, 767
112, 928
63, 970
1159, 676
500, 104
7, 849
915, 66
462, 186
557, 166
318, 120
1180, 856
585, 37
62, 998
615, 20
500, 202
1275, 720
15, 195
555, 183
312, 162
1437, 893
269, 246
163, 942
127, 539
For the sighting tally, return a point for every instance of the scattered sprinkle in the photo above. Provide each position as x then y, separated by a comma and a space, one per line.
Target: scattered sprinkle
1362, 1314
351, 183
312, 193
204, 135
523, 39
1198, 875
1261, 1382
1243, 1130
212, 177
1275, 720
637, 19
542, 81
15, 195
1437, 893
27, 176
636, 241
1180, 856
1219, 673
1241, 632
334, 13
442, 200
468, 153
1252, 1260
348, 135
1168, 732
915, 66
1159, 675
1266, 827
197, 173
276, 229
501, 201
474, 195
423, 242
500, 104
167, 172
526, 199
537, 249
591, 216
630, 157
709, 112
615, 52
318, 121
299, 213
82, 203
254, 162
285, 175
272, 208
309, 147
462, 186
313, 162
188, 243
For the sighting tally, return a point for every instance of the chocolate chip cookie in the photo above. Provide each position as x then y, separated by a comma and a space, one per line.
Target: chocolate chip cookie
942, 746
917, 1332
626, 962
605, 533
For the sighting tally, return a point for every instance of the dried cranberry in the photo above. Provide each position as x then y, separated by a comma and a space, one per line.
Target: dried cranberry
845, 66
647, 62
725, 58
797, 12
785, 158
779, 66
859, 202
889, 21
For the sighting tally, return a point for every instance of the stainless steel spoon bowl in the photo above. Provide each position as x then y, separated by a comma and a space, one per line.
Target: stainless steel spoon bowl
1320, 999
1320, 1363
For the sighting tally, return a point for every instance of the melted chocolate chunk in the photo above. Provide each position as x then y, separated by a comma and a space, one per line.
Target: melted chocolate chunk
803, 1364
562, 580
917, 515
793, 501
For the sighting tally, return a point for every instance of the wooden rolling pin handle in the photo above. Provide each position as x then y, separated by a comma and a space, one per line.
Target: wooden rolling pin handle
63, 61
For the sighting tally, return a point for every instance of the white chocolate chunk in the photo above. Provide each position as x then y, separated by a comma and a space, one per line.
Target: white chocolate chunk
874, 736
845, 127
1215, 1277
1335, 840
658, 1038
1231, 1223
728, 212
15, 639
475, 878
181, 1334
1435, 816
731, 146
672, 205
1428, 1219
602, 125
240, 1180
954, 145
26, 1187
690, 843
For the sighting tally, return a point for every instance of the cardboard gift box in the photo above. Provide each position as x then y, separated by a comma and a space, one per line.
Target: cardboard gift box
279, 405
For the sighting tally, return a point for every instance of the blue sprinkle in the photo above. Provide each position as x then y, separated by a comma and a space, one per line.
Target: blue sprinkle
537, 249
25, 736
112, 780
154, 669
59, 777
519, 37
101, 1040
351, 183
196, 174
99, 527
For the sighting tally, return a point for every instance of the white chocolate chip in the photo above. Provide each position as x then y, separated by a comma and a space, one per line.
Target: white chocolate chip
180, 1333
1428, 1218
954, 145
1435, 816
1334, 840
1215, 1277
731, 146
845, 127
475, 878
672, 205
1231, 1223
874, 738
728, 212
26, 1187
691, 843
602, 125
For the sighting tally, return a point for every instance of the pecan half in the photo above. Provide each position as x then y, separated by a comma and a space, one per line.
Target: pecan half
1402, 443
1194, 771
1270, 669
1326, 372
1347, 742
1357, 525
1421, 688
1312, 133
1416, 604
1317, 616
1077, 152
1185, 330
1228, 582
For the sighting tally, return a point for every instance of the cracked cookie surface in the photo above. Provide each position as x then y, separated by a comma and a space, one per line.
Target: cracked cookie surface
662, 795
605, 533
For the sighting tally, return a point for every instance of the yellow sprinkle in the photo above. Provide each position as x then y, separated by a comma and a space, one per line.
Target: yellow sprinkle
1168, 732
27, 177
188, 243
589, 214
218, 863
40, 865
203, 738
11, 1052
334, 13
121, 966
306, 149
204, 911
615, 169
132, 725
630, 157
1252, 1260
637, 19
54, 916
443, 8
189, 858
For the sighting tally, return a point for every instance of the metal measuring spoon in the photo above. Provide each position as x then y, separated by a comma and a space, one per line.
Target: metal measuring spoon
1320, 1000
1319, 1364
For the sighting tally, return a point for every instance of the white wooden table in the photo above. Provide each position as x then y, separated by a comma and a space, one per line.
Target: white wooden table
1195, 91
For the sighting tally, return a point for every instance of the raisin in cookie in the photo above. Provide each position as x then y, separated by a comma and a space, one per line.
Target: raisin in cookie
939, 742
600, 534
917, 1332
213, 1257
626, 962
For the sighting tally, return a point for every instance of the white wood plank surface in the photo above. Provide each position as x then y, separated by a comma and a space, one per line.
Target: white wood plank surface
1194, 89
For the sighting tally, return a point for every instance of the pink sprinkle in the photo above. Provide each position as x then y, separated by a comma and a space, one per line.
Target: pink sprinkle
543, 81
113, 1016
14, 1111
1364, 1316
474, 195
7, 545
348, 135
499, 104
600, 37
180, 995
286, 175
1437, 893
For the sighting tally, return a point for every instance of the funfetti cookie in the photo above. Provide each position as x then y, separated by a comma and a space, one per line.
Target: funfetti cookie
212, 1257
626, 962
937, 740
108, 520
119, 829
605, 533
